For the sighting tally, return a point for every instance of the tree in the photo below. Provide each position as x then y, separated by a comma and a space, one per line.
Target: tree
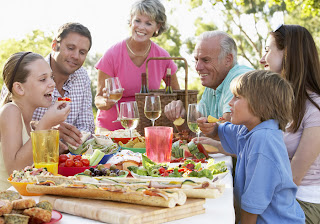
37, 41
307, 8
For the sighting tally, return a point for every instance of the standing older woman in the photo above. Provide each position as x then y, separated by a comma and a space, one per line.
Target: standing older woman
291, 51
127, 60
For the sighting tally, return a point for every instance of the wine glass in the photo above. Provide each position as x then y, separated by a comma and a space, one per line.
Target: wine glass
152, 108
114, 91
196, 111
129, 115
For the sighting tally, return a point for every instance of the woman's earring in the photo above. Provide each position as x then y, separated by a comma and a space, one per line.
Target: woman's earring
156, 33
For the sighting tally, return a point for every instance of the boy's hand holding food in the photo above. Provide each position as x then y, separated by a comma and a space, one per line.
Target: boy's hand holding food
209, 129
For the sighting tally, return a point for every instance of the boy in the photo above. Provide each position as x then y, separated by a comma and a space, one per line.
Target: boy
260, 110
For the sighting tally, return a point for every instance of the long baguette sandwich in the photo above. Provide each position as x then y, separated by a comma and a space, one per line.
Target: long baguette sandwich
135, 194
192, 189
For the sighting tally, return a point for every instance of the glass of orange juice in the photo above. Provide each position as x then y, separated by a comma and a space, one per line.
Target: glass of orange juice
45, 145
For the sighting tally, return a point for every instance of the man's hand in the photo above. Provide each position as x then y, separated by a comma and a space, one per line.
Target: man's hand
174, 110
70, 134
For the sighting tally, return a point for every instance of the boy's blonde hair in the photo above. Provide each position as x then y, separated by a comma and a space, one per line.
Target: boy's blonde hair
268, 94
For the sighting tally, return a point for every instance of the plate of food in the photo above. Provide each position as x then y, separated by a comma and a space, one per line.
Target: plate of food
137, 144
16, 209
189, 169
19, 179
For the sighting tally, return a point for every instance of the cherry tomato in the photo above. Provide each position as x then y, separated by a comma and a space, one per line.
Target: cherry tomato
69, 163
63, 158
78, 164
85, 162
77, 157
62, 164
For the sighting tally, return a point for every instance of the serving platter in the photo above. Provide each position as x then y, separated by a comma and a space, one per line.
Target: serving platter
195, 179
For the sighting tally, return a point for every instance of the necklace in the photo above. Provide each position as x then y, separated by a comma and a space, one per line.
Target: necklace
135, 53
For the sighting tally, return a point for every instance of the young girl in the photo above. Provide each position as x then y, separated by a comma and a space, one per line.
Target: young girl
28, 78
291, 51
263, 185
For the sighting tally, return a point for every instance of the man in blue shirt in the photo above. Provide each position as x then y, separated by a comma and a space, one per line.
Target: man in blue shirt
216, 63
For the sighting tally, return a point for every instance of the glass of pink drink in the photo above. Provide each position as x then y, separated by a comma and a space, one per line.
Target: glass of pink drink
158, 143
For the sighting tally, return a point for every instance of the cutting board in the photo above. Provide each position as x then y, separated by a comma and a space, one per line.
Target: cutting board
124, 213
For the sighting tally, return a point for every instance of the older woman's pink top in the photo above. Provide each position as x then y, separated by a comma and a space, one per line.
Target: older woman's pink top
117, 63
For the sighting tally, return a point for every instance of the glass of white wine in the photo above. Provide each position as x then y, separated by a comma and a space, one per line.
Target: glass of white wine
129, 115
196, 111
114, 91
152, 108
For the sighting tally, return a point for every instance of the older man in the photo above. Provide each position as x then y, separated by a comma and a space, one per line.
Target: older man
216, 63
69, 51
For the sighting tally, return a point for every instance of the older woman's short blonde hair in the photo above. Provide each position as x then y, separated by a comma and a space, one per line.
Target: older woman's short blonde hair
268, 94
152, 8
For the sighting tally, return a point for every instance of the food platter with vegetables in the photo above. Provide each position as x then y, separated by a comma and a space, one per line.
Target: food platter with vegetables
188, 169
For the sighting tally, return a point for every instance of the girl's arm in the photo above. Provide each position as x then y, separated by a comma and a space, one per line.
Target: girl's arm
248, 218
307, 152
100, 101
16, 155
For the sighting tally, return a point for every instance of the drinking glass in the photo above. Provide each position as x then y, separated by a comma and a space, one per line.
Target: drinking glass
114, 91
152, 108
129, 115
196, 111
45, 147
159, 143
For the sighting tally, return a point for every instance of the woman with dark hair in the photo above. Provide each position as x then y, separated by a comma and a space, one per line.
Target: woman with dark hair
291, 51
127, 60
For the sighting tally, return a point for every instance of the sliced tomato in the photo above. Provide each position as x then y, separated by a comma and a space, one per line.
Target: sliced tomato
150, 193
162, 170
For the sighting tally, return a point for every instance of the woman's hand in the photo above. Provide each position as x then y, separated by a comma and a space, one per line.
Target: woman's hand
208, 129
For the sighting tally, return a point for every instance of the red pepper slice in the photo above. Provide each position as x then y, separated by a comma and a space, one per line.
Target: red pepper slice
202, 150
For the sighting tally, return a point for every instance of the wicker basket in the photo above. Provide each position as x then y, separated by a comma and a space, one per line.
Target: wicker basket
186, 96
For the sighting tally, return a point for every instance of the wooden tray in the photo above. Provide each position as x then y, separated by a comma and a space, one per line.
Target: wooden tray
124, 213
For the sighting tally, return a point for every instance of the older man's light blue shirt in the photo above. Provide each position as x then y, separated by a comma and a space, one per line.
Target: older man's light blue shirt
217, 100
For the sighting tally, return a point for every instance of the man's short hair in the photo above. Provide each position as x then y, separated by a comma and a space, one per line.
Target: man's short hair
227, 44
268, 94
67, 28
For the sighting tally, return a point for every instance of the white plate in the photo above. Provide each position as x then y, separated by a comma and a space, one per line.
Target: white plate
195, 179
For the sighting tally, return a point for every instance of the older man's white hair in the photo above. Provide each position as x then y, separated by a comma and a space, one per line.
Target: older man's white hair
227, 44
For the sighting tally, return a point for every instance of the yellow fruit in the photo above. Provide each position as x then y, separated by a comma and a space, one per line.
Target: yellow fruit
178, 122
212, 119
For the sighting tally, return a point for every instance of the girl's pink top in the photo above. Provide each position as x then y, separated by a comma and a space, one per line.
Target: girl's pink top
310, 119
117, 63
